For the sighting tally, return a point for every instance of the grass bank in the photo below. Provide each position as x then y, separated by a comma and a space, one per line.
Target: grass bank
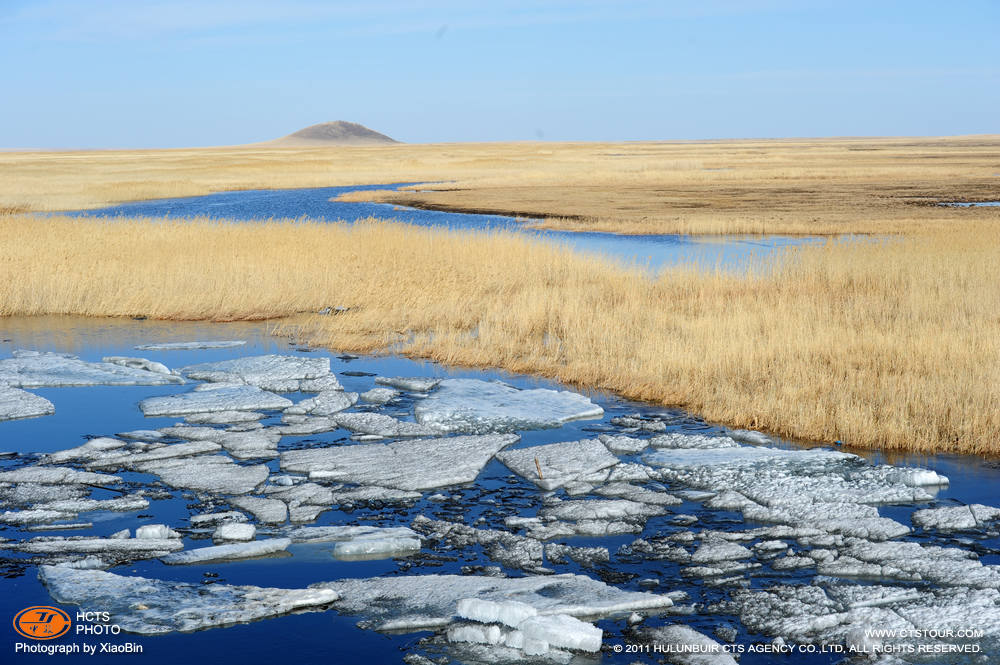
800, 186
891, 344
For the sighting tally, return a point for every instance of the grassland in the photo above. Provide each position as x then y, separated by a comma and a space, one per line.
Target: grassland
827, 186
889, 343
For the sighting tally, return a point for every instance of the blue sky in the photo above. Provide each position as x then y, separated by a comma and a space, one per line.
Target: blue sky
170, 73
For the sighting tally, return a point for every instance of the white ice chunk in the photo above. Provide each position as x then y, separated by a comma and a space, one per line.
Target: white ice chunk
511, 613
560, 463
27, 369
207, 519
416, 384
271, 372
234, 531
689, 647
16, 403
955, 518
234, 398
325, 403
428, 601
692, 441
407, 465
474, 406
231, 552
150, 607
375, 545
156, 531
188, 346
55, 476
475, 634
382, 425
560, 630
86, 545
137, 363
267, 511
134, 461
223, 417
379, 395
208, 473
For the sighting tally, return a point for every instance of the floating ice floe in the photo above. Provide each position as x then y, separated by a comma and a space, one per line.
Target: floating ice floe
267, 511
686, 646
28, 369
56, 476
253, 444
478, 407
921, 623
16, 403
325, 403
207, 473
533, 634
136, 547
146, 459
229, 531
223, 417
412, 603
415, 384
559, 463
407, 465
137, 363
382, 425
230, 552
150, 607
190, 346
271, 372
956, 518
379, 396
226, 398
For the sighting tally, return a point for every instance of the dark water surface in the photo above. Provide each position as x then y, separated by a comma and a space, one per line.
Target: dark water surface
326, 636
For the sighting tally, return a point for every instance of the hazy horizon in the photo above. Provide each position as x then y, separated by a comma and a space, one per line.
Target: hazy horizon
181, 73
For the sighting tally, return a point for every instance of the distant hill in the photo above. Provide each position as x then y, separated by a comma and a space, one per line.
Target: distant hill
338, 132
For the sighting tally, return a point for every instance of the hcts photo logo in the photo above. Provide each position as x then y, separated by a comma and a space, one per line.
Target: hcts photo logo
42, 622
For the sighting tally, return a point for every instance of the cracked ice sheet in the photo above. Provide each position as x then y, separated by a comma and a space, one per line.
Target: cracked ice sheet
16, 403
477, 407
28, 369
270, 372
955, 518
842, 613
187, 346
560, 463
150, 607
406, 465
228, 398
229, 552
207, 473
412, 603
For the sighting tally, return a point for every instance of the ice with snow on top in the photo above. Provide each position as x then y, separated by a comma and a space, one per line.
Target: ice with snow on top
270, 372
229, 552
325, 403
207, 473
382, 425
477, 407
229, 398
137, 363
688, 646
267, 511
379, 396
229, 531
416, 384
413, 603
152, 607
955, 518
32, 369
560, 463
16, 403
406, 465
190, 346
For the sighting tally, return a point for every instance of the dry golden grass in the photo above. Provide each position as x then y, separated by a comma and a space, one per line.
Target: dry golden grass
822, 186
889, 344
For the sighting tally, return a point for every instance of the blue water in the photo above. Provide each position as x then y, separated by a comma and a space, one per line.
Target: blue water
981, 204
654, 251
328, 636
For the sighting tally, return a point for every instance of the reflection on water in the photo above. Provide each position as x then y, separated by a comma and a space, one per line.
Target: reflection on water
654, 251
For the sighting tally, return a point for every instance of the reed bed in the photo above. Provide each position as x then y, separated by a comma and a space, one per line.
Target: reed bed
890, 344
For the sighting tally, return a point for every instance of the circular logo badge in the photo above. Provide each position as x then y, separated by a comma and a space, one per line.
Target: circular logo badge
42, 622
